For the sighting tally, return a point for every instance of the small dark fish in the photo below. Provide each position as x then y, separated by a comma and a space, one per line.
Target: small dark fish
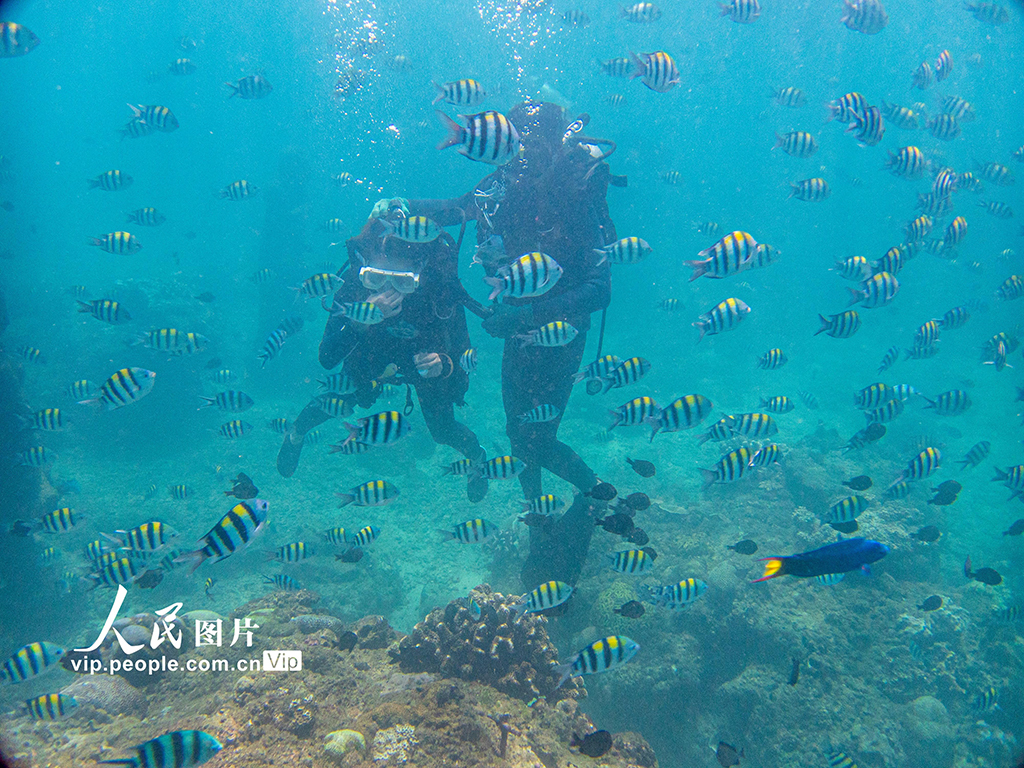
928, 534
650, 552
213, 363
727, 755
150, 579
351, 555
794, 673
206, 297
638, 536
602, 492
858, 483
594, 386
1016, 529
243, 488
641, 467
985, 575
7, 205
946, 493
593, 744
348, 641
745, 547
635, 502
848, 527
932, 603
634, 609
535, 520
620, 524
872, 432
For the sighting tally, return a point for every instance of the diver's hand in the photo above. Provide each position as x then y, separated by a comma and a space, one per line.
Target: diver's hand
389, 302
508, 320
428, 365
384, 206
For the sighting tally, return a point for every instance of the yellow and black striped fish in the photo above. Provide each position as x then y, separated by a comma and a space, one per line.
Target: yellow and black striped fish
729, 469
362, 312
31, 660
119, 243
488, 137
631, 561
336, 535
471, 531
909, 162
365, 536
373, 493
123, 570
868, 125
500, 468
16, 39
159, 118
682, 413
111, 181
676, 595
796, 143
181, 67
847, 510
460, 93
383, 428
250, 87
772, 359
48, 420
725, 316
319, 285
548, 595
657, 70
840, 326
148, 537
789, 97
107, 310
125, 386
235, 428
600, 656
810, 190
238, 190
635, 412
291, 553
51, 706
60, 520
923, 465
146, 217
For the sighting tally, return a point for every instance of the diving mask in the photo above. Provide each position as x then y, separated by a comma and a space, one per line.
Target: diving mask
375, 279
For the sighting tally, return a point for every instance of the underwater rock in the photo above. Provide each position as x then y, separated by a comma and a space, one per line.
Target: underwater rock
108, 692
393, 746
512, 655
635, 750
374, 633
928, 734
308, 623
338, 743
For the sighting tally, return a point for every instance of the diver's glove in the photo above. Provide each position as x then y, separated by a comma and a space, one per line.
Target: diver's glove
508, 320
386, 205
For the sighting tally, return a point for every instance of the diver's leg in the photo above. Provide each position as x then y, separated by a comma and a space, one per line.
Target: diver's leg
533, 377
516, 397
439, 413
291, 448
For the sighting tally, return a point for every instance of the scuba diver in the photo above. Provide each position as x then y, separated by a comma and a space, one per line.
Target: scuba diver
423, 333
550, 199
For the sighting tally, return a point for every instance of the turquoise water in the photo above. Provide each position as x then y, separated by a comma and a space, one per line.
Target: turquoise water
700, 669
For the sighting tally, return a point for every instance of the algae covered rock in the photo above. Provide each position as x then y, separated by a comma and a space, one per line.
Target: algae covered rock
339, 743
928, 734
108, 692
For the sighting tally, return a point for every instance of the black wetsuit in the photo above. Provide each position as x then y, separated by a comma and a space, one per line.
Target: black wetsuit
561, 211
432, 319
553, 202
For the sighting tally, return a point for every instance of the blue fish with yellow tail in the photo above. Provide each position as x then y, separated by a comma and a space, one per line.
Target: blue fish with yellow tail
839, 557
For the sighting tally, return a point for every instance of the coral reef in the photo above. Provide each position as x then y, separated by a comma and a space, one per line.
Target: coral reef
337, 744
393, 746
111, 693
347, 708
512, 655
